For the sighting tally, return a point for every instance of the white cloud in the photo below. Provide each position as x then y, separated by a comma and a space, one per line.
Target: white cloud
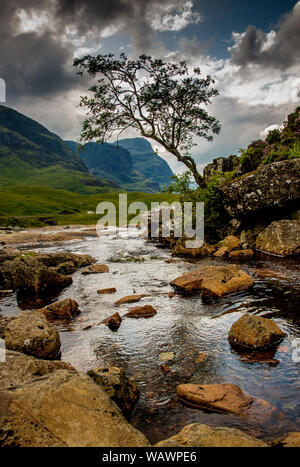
31, 21
173, 18
269, 128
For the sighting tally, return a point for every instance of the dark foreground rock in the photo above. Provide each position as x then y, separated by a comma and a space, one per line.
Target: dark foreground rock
214, 281
20, 368
63, 408
121, 389
198, 435
31, 334
224, 398
280, 238
113, 321
254, 332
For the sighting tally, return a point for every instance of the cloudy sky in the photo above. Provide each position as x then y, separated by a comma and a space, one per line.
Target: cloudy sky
250, 48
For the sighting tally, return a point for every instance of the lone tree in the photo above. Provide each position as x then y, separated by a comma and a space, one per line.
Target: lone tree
161, 100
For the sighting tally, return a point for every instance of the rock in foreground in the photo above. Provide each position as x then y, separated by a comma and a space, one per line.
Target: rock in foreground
224, 398
280, 238
214, 281
66, 308
20, 368
198, 435
121, 389
31, 334
63, 408
254, 332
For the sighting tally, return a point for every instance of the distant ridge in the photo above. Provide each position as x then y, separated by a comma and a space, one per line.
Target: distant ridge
131, 163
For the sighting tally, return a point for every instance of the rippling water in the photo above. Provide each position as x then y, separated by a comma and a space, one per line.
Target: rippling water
187, 327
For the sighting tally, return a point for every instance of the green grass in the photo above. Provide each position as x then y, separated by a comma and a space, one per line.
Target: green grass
52, 177
23, 205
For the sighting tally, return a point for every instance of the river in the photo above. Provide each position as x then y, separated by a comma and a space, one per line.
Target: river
194, 333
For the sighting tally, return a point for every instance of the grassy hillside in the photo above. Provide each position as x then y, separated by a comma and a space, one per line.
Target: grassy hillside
24, 206
32, 155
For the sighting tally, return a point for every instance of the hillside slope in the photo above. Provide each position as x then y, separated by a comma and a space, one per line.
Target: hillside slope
32, 155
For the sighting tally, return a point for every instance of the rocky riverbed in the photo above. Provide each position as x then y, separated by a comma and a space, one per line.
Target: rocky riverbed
183, 344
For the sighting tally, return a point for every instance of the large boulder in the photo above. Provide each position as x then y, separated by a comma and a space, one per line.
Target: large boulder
37, 273
214, 281
270, 187
254, 332
31, 334
280, 238
198, 435
63, 408
19, 368
224, 398
121, 389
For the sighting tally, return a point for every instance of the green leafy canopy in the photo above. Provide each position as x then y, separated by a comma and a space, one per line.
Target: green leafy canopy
162, 101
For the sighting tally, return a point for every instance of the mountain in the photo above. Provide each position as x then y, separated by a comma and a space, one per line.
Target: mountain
146, 161
31, 155
131, 163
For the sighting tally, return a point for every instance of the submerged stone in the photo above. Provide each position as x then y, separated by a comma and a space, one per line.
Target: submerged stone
227, 398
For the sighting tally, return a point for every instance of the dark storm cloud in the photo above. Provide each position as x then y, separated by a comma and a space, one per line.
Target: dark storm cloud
93, 14
39, 63
280, 51
32, 63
